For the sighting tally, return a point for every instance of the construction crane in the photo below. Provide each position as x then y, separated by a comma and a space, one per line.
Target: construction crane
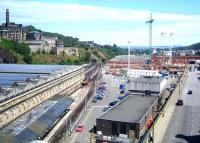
150, 21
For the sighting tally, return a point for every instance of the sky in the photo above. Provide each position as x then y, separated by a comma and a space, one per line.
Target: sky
111, 21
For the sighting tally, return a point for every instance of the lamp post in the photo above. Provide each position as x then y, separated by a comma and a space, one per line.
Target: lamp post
179, 84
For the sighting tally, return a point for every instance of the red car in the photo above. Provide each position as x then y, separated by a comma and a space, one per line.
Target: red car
79, 128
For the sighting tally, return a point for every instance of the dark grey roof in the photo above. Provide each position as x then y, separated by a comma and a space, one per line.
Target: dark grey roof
130, 110
34, 125
149, 79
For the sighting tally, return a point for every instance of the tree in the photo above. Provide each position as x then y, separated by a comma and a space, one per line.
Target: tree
63, 53
38, 51
114, 45
76, 62
62, 62
69, 62
43, 51
87, 56
28, 58
53, 51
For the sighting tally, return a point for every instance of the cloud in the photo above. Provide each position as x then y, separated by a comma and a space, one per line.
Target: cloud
44, 14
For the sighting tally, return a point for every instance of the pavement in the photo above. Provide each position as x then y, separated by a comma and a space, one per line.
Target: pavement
94, 110
162, 124
184, 126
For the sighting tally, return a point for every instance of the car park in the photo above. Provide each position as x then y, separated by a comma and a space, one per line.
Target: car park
179, 102
79, 128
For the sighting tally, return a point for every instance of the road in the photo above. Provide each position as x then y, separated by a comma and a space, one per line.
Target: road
95, 110
184, 126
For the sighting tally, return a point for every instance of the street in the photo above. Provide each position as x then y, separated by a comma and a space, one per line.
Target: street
184, 125
94, 110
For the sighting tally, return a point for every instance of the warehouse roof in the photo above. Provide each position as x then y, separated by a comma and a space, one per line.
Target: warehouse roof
149, 79
132, 109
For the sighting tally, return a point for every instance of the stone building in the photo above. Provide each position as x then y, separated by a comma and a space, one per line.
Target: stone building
50, 41
33, 35
10, 30
68, 51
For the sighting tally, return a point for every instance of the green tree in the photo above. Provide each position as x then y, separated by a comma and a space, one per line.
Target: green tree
76, 62
69, 62
43, 51
63, 53
87, 56
53, 51
28, 59
38, 51
62, 62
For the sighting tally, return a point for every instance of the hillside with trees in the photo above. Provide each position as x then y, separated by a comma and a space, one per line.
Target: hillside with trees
14, 52
195, 46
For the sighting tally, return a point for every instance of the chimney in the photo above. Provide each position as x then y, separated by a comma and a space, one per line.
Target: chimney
7, 16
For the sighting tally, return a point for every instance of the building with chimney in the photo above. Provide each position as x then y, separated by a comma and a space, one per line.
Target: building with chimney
10, 30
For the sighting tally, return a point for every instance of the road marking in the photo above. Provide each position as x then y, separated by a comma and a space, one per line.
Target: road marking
83, 122
97, 106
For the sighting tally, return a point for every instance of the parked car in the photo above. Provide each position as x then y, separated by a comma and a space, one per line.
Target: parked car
103, 83
106, 108
94, 99
121, 97
99, 97
171, 89
126, 94
122, 92
189, 92
79, 128
101, 93
101, 88
122, 86
180, 102
113, 103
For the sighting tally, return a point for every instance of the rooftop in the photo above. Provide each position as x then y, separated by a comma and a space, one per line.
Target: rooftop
149, 79
37, 122
131, 109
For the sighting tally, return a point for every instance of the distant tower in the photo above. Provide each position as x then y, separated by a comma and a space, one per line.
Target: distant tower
7, 16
